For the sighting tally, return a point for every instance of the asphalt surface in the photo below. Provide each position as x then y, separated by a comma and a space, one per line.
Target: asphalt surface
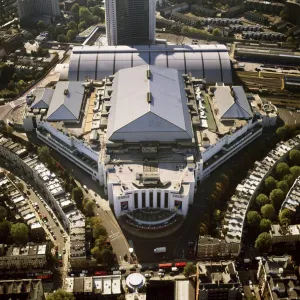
289, 116
115, 234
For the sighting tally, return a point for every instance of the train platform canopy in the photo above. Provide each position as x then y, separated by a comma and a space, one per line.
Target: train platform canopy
211, 62
141, 96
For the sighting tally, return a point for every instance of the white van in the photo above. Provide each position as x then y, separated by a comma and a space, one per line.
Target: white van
174, 269
160, 250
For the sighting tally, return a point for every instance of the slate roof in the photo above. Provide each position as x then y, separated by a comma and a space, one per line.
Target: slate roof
166, 112
43, 98
66, 107
232, 103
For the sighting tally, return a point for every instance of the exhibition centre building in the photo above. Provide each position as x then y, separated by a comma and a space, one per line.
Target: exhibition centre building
147, 126
202, 61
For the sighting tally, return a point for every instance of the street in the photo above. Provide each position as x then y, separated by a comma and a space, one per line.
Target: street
289, 117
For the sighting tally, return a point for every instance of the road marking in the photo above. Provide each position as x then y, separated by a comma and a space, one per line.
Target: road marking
114, 236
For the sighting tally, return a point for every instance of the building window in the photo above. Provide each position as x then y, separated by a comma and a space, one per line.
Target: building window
136, 200
151, 199
143, 200
166, 200
158, 199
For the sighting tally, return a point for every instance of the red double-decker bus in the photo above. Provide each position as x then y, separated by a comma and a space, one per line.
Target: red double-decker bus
180, 264
165, 266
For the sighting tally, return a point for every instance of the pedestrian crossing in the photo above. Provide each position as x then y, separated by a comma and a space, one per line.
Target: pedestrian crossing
114, 236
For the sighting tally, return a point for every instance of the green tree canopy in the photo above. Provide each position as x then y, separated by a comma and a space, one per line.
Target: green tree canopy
11, 85
189, 269
265, 225
263, 242
268, 211
60, 295
20, 186
4, 231
71, 35
294, 156
75, 8
270, 183
84, 13
77, 196
91, 3
253, 218
72, 25
97, 254
3, 213
107, 257
99, 230
89, 207
217, 215
62, 38
285, 217
277, 197
289, 179
41, 25
82, 25
44, 154
295, 170
282, 169
262, 199
97, 11
19, 233
216, 32
283, 185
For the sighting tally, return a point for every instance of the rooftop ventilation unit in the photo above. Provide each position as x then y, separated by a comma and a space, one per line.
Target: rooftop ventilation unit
149, 97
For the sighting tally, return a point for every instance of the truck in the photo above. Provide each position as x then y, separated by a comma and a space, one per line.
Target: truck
160, 250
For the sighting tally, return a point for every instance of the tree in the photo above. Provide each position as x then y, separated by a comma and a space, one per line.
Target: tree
263, 242
295, 170
98, 231
253, 218
91, 3
285, 217
72, 25
107, 257
20, 186
97, 11
216, 32
294, 156
189, 269
71, 35
62, 38
41, 25
282, 169
268, 211
11, 85
270, 183
44, 154
60, 295
262, 199
3, 213
84, 13
77, 196
19, 233
4, 231
97, 254
217, 215
89, 207
283, 132
282, 185
82, 25
265, 225
289, 179
277, 197
75, 8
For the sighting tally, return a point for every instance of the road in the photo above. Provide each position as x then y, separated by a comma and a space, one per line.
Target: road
115, 233
289, 116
